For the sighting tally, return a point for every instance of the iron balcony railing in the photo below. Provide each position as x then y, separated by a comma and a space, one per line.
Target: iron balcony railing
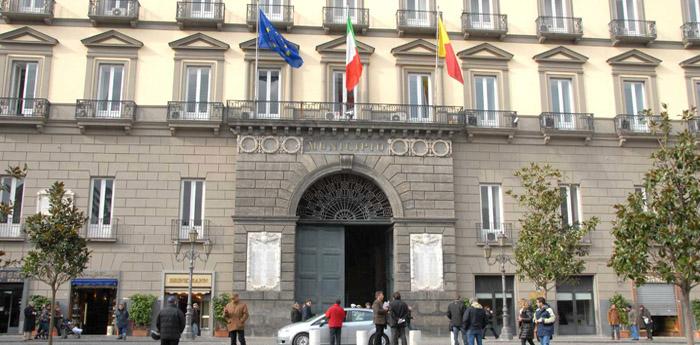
559, 26
691, 32
277, 14
336, 17
475, 23
630, 124
582, 122
632, 30
11, 231
101, 229
182, 227
489, 233
694, 125
127, 9
27, 8
195, 111
24, 107
491, 118
345, 112
415, 20
104, 109
211, 11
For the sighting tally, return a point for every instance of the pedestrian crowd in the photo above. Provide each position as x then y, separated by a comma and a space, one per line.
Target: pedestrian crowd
636, 318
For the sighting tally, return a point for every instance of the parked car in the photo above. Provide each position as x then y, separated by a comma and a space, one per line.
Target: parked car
355, 320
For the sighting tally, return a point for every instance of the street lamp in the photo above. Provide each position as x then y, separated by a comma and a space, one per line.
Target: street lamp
502, 259
191, 255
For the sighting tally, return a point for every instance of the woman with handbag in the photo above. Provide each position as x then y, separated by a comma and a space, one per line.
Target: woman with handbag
527, 328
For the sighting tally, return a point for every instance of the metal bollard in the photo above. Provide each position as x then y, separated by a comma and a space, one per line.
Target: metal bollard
414, 337
315, 337
362, 337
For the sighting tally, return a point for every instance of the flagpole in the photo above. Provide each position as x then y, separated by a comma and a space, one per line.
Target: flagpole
437, 46
257, 45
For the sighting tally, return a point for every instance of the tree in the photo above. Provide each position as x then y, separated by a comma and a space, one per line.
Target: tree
548, 249
6, 208
59, 253
656, 232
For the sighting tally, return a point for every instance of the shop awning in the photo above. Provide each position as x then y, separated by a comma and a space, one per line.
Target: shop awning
94, 282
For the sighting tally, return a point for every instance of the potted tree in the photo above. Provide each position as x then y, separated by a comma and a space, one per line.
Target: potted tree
220, 303
696, 313
621, 304
140, 312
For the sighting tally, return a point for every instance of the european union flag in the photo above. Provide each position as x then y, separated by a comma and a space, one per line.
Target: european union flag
269, 38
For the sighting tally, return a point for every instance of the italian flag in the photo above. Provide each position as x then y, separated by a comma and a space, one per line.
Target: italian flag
446, 52
353, 65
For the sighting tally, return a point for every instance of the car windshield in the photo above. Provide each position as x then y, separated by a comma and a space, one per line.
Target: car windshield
318, 319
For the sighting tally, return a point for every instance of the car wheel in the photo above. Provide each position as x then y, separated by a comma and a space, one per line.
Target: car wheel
385, 339
301, 339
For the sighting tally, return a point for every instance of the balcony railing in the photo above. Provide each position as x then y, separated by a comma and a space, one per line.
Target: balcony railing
200, 13
581, 122
24, 107
335, 18
27, 10
559, 28
182, 227
114, 11
103, 109
281, 16
101, 229
642, 31
344, 112
484, 24
691, 33
195, 111
414, 21
634, 124
11, 231
489, 233
491, 118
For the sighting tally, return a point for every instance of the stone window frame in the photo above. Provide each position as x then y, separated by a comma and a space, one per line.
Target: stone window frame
266, 60
615, 16
685, 9
333, 59
39, 51
495, 4
495, 63
109, 53
181, 197
577, 92
579, 199
641, 68
501, 203
419, 62
403, 5
691, 68
215, 79
567, 3
572, 68
187, 55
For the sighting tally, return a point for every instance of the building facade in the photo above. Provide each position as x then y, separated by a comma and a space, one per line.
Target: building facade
147, 111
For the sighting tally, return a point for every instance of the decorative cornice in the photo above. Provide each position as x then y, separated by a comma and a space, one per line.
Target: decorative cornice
12, 37
494, 53
561, 54
187, 43
634, 57
101, 40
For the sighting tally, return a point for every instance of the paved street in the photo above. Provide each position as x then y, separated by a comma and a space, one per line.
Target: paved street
270, 341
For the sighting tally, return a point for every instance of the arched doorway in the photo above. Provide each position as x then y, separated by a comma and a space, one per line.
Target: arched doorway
343, 241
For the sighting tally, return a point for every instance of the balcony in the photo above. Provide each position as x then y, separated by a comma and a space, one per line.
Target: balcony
566, 125
105, 114
344, 116
24, 112
180, 229
101, 230
628, 127
559, 28
691, 34
416, 22
192, 115
632, 31
10, 231
491, 122
281, 16
200, 14
489, 233
335, 19
484, 25
114, 12
23, 10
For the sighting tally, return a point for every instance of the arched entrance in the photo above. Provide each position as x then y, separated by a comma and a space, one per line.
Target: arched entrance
343, 241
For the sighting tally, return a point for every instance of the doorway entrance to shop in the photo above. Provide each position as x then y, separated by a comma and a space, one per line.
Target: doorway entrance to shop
93, 307
10, 304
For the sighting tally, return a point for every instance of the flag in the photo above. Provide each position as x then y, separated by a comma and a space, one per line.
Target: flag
445, 51
353, 65
269, 38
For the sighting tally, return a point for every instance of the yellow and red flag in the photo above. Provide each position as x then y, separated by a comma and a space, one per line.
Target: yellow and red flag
445, 51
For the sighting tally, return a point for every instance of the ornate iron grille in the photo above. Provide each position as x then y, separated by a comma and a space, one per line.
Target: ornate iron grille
344, 197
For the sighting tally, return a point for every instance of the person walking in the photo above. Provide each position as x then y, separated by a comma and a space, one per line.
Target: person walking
170, 323
295, 314
121, 318
335, 316
474, 321
236, 315
489, 322
195, 320
306, 310
455, 310
29, 321
614, 322
644, 320
43, 331
525, 323
544, 318
632, 319
57, 318
398, 310
379, 317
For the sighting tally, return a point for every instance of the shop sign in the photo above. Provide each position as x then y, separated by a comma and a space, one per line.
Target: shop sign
11, 276
181, 280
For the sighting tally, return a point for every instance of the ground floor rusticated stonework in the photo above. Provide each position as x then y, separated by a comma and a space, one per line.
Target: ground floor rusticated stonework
321, 213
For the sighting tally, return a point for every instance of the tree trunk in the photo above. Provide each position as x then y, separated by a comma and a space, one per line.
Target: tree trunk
51, 314
687, 316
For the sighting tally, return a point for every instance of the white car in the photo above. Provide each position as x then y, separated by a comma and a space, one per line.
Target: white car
356, 319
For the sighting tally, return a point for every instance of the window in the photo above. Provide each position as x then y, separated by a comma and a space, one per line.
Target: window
576, 306
202, 8
11, 194
561, 99
697, 93
101, 197
115, 7
197, 92
32, 6
635, 103
491, 216
628, 11
570, 208
641, 190
109, 90
486, 100
343, 100
419, 13
23, 88
269, 90
43, 203
192, 207
339, 12
419, 96
482, 11
693, 11
557, 12
274, 9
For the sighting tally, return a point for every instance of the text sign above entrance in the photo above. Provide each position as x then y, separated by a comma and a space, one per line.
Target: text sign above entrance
347, 146
182, 280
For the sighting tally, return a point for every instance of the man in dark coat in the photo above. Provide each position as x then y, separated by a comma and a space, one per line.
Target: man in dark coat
121, 317
195, 320
170, 323
295, 314
306, 310
644, 319
398, 310
454, 312
29, 320
379, 317
474, 322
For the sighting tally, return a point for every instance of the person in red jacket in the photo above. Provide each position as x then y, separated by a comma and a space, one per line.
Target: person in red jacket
335, 316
